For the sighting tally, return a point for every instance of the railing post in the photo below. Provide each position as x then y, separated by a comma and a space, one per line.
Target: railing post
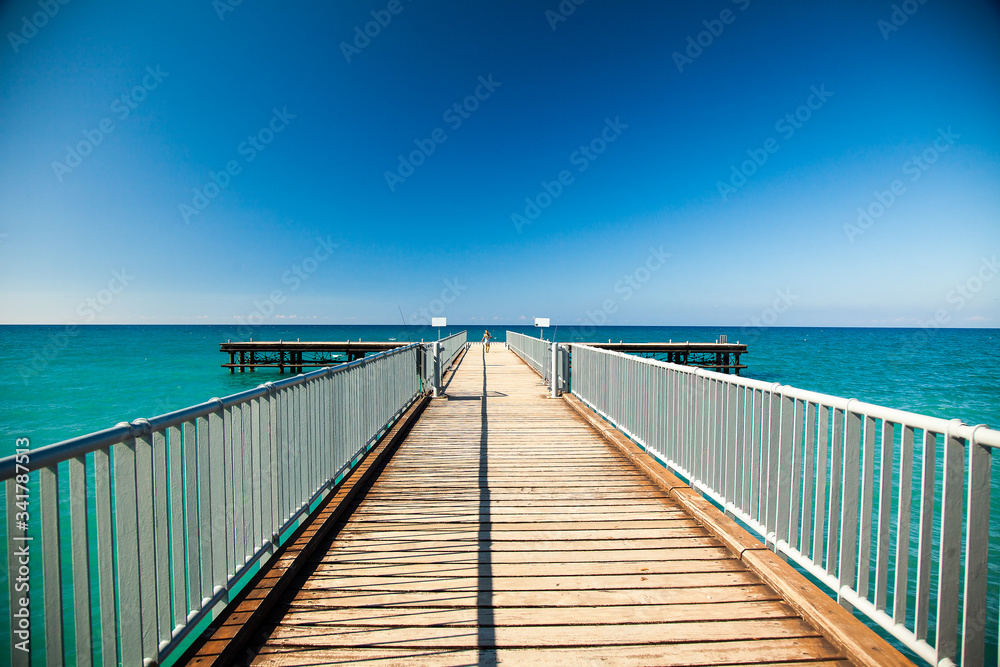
436, 381
564, 367
555, 370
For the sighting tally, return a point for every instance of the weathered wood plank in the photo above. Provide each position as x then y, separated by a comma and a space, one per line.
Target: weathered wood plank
552, 583
510, 517
529, 570
588, 598
524, 616
329, 635
495, 504
494, 557
524, 540
645, 528
534, 545
679, 655
420, 495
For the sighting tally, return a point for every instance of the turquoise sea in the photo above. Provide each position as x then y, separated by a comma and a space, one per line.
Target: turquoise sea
60, 381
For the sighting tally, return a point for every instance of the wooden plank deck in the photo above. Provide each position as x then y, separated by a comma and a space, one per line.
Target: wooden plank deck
505, 530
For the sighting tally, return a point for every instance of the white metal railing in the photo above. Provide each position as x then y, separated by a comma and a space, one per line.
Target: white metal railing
535, 352
438, 357
450, 347
547, 358
147, 527
854, 493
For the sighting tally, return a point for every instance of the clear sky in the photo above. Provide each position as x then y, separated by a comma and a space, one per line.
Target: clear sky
635, 162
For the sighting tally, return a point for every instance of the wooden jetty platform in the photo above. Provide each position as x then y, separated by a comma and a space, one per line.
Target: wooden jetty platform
294, 356
721, 357
517, 529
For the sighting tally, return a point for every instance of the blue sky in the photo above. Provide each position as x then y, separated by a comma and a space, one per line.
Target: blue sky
675, 163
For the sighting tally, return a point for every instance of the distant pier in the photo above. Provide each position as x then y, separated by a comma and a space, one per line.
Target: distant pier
295, 355
721, 357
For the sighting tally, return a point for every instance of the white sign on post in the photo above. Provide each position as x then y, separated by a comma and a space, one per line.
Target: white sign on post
541, 321
438, 322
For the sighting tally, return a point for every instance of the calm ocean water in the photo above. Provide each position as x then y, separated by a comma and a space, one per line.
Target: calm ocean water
62, 382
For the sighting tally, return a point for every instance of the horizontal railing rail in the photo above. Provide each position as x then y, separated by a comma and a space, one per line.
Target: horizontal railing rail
448, 349
148, 528
550, 360
535, 352
867, 499
451, 346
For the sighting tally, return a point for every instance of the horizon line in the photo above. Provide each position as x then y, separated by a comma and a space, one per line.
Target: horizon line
486, 325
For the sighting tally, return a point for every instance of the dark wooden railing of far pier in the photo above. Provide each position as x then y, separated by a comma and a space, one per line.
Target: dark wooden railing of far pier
293, 356
721, 357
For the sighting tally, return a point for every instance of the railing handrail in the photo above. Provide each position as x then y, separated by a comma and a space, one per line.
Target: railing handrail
526, 346
84, 444
984, 435
450, 347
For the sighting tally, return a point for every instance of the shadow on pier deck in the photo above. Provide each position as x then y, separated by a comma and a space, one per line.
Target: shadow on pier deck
508, 529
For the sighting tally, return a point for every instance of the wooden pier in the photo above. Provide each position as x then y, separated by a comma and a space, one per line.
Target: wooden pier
513, 528
294, 356
721, 357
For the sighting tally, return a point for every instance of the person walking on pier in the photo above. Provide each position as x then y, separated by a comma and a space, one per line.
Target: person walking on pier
486, 339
